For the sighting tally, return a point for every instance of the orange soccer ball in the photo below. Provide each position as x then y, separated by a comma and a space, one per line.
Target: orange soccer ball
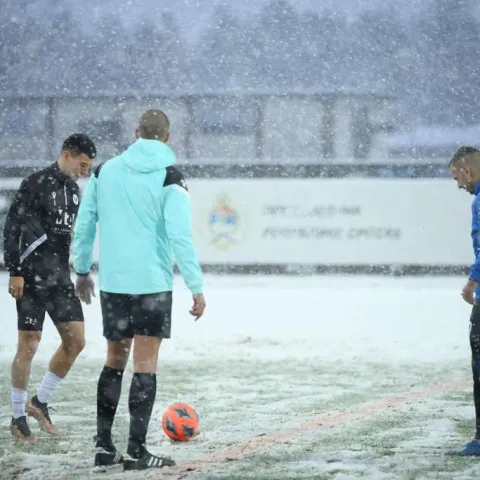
180, 422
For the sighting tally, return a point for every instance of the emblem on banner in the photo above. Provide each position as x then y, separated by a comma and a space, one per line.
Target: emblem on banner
225, 224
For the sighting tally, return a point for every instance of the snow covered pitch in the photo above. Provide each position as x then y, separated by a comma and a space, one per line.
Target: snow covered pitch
314, 377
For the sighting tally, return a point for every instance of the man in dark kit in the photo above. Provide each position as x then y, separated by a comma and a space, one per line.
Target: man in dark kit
37, 238
465, 169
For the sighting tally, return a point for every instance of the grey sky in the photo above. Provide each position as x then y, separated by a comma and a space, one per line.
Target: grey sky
193, 15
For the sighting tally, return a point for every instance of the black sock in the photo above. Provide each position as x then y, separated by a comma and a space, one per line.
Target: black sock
140, 403
108, 396
476, 394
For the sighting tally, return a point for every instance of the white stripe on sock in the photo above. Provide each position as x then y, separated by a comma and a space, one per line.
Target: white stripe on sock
19, 400
48, 387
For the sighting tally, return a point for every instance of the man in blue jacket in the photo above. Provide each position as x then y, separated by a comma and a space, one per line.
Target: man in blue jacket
142, 206
465, 169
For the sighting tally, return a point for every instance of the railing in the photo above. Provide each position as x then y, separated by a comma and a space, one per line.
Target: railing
322, 127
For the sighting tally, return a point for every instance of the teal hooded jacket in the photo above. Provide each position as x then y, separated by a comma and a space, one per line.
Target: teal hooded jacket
142, 206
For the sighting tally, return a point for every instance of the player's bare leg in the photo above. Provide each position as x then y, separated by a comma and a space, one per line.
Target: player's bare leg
108, 395
142, 397
72, 335
145, 354
27, 347
28, 342
73, 342
118, 353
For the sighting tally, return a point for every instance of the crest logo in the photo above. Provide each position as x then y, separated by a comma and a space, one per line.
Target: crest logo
225, 224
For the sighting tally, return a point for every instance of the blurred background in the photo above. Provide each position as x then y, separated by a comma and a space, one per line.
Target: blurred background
254, 88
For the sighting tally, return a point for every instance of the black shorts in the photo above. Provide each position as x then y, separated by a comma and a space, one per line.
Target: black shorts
60, 302
127, 315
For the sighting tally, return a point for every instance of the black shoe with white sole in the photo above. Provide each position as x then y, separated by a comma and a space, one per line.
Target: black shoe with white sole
147, 460
107, 458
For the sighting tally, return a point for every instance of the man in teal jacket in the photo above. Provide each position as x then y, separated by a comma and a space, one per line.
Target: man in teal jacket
142, 206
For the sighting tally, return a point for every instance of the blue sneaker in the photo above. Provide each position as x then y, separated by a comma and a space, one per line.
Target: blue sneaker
470, 449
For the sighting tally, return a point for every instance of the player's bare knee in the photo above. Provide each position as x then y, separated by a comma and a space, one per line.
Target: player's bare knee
28, 345
118, 353
80, 344
73, 337
74, 346
26, 352
146, 364
118, 359
118, 363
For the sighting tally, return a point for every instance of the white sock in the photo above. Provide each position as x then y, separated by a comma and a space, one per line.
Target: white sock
48, 387
19, 400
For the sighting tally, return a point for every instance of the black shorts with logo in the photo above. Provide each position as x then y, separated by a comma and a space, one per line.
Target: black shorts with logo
60, 302
127, 315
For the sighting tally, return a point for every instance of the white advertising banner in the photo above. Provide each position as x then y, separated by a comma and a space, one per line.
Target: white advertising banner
355, 221
331, 221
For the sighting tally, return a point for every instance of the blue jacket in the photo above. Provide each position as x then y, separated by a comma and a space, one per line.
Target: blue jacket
475, 268
142, 207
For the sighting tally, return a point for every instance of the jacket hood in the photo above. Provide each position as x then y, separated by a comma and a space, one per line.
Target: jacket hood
148, 156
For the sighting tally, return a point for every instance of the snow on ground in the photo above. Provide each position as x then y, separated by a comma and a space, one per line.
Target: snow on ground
272, 353
371, 318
